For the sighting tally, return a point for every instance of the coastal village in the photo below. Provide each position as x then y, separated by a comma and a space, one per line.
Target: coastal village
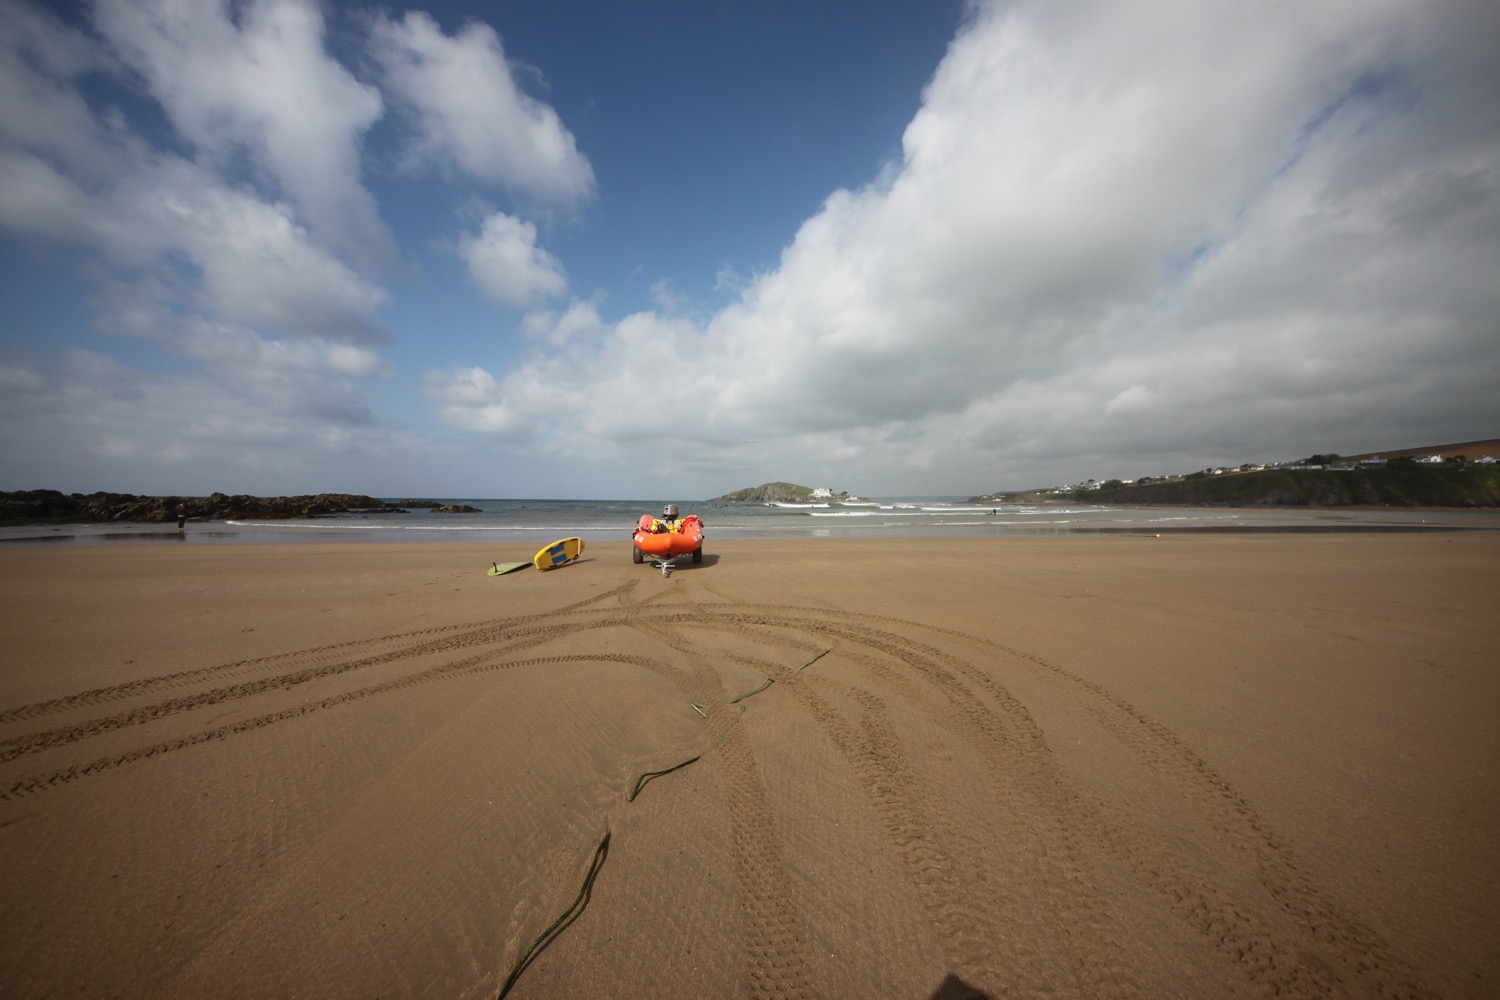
1462, 455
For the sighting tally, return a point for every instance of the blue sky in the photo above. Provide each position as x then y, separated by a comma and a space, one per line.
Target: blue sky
677, 248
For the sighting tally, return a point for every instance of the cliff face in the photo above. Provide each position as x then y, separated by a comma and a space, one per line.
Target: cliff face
770, 493
50, 505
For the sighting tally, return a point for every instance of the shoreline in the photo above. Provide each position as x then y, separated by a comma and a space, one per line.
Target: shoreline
1031, 763
966, 522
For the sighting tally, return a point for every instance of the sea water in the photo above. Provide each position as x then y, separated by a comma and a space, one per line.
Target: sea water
542, 521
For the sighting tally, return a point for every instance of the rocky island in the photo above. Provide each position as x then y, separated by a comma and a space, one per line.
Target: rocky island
780, 493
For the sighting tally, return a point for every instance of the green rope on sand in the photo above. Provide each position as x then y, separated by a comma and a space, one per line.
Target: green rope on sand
588, 883
603, 849
813, 660
763, 685
656, 774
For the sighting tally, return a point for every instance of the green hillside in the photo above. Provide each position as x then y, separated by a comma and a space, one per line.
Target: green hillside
1397, 484
770, 492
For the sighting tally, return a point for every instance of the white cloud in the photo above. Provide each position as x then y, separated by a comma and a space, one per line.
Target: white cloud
248, 356
1118, 232
258, 266
1135, 399
266, 86
35, 51
16, 378
468, 109
253, 263
667, 298
472, 399
35, 197
578, 324
248, 425
1119, 235
727, 279
268, 328
508, 266
249, 260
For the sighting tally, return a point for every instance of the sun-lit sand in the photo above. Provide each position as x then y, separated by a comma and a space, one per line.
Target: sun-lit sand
1122, 766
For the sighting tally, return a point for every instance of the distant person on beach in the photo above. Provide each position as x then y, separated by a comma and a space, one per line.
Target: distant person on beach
181, 519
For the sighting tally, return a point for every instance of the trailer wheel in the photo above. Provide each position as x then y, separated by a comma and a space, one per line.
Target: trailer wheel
636, 556
698, 554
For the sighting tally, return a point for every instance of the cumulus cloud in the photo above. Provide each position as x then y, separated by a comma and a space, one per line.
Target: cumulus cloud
258, 266
144, 309
507, 265
242, 280
667, 298
35, 197
468, 110
1117, 233
253, 263
36, 51
580, 323
87, 421
265, 86
472, 399
251, 260
1119, 239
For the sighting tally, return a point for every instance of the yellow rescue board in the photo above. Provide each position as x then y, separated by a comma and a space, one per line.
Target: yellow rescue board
559, 553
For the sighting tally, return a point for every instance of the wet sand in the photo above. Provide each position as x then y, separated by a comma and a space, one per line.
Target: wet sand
1226, 765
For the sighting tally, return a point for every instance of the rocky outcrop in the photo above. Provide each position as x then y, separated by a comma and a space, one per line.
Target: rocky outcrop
51, 505
455, 508
770, 493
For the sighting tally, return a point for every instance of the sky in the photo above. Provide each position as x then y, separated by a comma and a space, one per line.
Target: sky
674, 248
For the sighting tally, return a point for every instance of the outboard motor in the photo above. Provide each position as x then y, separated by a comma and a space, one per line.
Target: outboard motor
669, 513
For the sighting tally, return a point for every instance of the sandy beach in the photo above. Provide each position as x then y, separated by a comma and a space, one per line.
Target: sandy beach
1111, 766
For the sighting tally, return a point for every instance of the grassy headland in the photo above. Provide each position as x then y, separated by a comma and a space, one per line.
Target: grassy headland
1399, 483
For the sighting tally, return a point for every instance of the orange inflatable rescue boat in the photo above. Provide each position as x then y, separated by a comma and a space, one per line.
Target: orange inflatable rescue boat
663, 539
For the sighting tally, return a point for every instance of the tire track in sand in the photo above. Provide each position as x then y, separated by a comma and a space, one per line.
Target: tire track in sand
514, 634
971, 904
1303, 945
1306, 946
296, 660
776, 948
